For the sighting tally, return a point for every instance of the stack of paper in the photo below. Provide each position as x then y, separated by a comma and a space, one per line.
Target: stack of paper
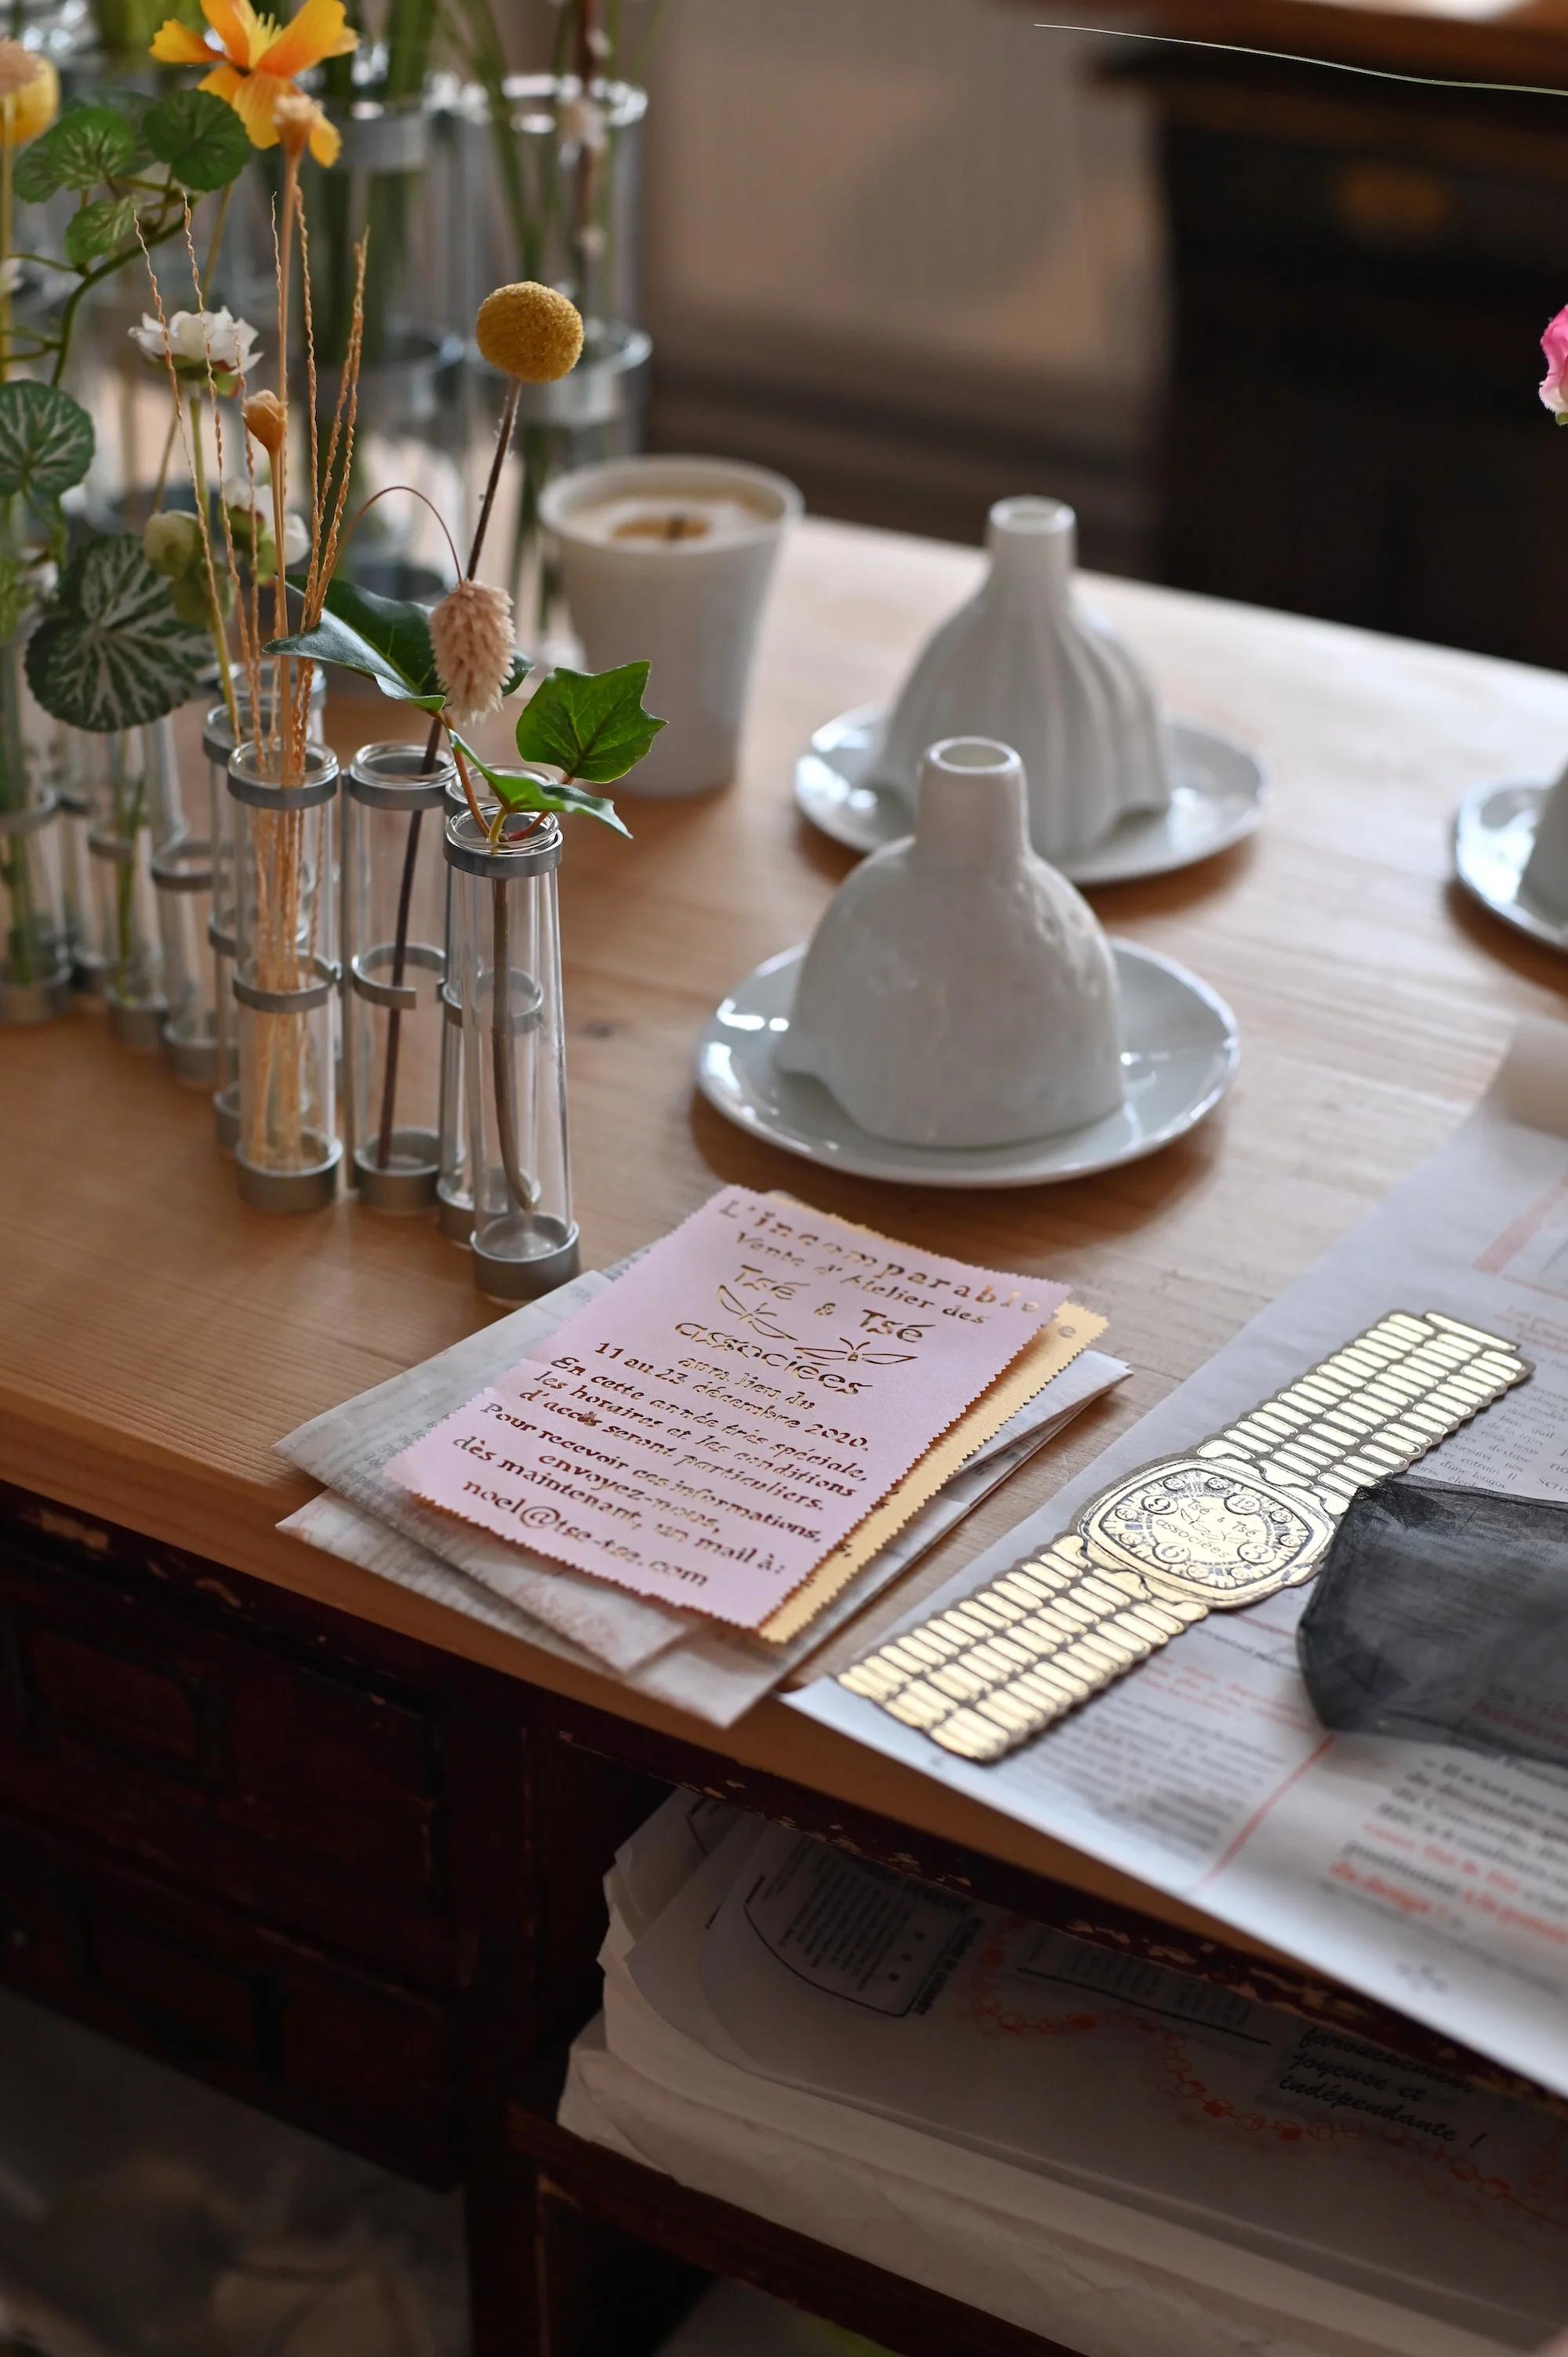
1101, 2151
732, 2320
692, 1474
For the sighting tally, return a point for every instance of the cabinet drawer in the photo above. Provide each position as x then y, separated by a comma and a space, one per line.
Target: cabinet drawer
293, 1786
349, 2054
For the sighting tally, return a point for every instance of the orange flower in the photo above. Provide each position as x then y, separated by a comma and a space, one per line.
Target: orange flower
254, 63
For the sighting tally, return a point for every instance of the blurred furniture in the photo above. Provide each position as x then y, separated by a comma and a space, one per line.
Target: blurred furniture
321, 1842
907, 251
1360, 271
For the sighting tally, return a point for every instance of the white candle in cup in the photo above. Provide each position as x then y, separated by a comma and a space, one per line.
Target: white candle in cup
670, 559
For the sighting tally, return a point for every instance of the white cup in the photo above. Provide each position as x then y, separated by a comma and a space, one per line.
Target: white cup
689, 606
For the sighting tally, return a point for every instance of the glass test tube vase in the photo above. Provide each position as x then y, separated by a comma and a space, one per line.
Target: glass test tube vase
35, 950
129, 793
454, 1191
183, 880
392, 1011
506, 940
285, 981
217, 745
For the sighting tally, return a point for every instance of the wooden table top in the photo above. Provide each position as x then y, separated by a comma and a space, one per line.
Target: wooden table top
156, 1338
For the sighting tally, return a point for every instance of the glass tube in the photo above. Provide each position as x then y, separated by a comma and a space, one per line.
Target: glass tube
455, 1196
218, 743
127, 787
35, 956
507, 941
285, 978
181, 867
67, 754
396, 959
536, 199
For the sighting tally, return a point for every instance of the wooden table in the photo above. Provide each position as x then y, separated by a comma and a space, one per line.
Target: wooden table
338, 1848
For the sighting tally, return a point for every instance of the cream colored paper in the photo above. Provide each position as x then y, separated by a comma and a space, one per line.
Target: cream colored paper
1071, 1330
707, 1429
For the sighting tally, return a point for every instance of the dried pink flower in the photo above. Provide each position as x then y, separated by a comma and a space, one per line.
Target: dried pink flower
471, 633
1555, 383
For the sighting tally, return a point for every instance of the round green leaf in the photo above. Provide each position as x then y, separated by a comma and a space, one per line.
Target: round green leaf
114, 652
198, 136
88, 145
45, 441
98, 229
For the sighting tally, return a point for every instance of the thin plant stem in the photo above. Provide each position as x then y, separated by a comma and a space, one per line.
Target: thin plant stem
432, 746
519, 1186
394, 1014
6, 162
477, 546
203, 288
209, 575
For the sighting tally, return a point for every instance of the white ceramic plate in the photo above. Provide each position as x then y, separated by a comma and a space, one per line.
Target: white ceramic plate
1180, 1052
1494, 832
1217, 799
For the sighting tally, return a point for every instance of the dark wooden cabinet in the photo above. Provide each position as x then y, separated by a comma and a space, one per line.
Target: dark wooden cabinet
1360, 274
356, 1882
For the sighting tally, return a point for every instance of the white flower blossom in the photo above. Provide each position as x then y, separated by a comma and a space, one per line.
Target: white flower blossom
193, 337
250, 521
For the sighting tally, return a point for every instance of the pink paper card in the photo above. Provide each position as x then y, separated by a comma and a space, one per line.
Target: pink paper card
720, 1417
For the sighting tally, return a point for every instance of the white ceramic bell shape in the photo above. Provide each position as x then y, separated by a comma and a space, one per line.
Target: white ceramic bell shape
1022, 664
1545, 877
958, 991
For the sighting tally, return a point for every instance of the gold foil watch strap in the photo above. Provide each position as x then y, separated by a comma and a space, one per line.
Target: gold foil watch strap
989, 1673
1373, 1407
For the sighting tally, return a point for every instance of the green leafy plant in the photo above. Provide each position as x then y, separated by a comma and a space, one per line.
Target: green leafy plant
135, 169
111, 652
46, 448
589, 726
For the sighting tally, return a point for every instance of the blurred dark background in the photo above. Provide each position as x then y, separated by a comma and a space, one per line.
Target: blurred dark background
1273, 330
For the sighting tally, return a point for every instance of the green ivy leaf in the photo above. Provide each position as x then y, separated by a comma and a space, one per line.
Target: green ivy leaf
199, 137
522, 791
97, 229
590, 723
113, 653
385, 639
45, 441
88, 145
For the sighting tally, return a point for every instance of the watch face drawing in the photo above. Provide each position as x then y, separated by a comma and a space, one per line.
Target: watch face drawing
1209, 1529
1245, 1513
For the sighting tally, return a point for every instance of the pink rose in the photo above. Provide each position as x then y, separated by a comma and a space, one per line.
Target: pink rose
1555, 383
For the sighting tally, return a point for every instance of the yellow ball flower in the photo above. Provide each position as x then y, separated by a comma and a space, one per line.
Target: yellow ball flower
530, 332
29, 94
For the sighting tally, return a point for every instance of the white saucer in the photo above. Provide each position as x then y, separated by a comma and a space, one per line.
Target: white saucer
1219, 799
1180, 1052
1494, 832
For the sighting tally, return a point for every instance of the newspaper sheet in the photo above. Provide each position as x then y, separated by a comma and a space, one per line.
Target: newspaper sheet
368, 1520
1434, 1879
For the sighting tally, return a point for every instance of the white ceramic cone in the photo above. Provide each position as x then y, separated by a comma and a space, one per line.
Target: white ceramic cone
1545, 877
1020, 662
958, 991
